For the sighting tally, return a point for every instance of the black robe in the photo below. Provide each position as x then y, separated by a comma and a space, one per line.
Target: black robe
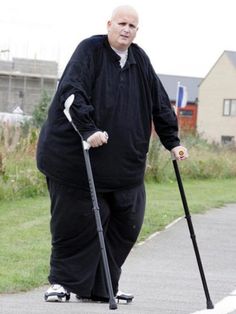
121, 101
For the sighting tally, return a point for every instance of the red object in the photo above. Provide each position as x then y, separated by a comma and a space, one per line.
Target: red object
187, 118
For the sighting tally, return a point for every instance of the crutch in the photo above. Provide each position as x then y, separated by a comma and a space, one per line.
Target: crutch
86, 146
191, 230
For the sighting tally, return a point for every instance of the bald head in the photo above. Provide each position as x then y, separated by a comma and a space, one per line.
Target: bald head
124, 9
122, 27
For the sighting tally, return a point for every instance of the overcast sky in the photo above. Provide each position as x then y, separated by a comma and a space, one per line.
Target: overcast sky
181, 37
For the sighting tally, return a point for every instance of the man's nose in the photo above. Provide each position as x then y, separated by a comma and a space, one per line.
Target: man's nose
127, 29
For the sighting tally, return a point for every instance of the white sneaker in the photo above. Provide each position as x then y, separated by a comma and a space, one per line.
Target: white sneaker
56, 293
124, 296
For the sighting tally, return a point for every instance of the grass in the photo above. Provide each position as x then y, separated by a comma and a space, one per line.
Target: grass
206, 161
25, 237
164, 202
25, 243
20, 178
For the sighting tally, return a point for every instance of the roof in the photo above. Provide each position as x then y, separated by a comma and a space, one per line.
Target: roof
29, 67
170, 83
232, 56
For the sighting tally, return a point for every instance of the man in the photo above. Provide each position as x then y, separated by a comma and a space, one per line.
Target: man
116, 90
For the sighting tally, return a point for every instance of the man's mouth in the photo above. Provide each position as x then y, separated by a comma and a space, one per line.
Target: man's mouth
124, 36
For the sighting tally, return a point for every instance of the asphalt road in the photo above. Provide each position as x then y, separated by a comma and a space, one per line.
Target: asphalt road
162, 273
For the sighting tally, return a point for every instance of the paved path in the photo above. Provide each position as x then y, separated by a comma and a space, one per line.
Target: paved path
162, 273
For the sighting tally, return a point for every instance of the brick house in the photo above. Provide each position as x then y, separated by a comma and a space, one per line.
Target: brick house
187, 116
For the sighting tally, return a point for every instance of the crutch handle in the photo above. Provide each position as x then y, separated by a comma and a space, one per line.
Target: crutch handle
181, 154
86, 145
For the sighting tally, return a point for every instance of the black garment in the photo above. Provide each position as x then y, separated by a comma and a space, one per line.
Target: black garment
121, 101
76, 261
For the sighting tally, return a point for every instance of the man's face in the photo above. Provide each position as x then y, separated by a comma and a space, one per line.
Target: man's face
122, 29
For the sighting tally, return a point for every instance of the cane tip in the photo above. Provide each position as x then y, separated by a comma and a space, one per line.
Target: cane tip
210, 305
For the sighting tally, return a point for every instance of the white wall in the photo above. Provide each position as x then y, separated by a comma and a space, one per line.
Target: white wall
219, 84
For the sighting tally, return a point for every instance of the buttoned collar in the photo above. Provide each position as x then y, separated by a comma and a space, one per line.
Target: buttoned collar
115, 57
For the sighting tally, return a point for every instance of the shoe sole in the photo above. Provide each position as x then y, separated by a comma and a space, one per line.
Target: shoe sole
56, 298
124, 298
120, 299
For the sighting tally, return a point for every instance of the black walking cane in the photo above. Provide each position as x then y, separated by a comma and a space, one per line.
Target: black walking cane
191, 230
86, 146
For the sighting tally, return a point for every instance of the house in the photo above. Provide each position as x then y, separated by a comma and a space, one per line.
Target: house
216, 119
23, 82
187, 116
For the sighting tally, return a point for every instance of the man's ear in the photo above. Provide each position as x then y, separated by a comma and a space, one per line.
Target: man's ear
108, 25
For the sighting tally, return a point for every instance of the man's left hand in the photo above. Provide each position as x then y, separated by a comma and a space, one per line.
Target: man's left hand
180, 152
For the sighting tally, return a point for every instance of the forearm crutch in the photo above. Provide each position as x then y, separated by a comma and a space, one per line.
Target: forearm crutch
86, 146
192, 234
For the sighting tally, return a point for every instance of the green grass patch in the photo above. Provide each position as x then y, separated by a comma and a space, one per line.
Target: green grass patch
25, 244
25, 237
164, 202
20, 178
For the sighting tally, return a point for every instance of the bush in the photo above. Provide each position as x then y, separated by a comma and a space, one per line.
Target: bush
22, 183
205, 161
19, 176
39, 114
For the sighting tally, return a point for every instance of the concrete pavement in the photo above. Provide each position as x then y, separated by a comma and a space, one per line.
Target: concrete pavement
162, 272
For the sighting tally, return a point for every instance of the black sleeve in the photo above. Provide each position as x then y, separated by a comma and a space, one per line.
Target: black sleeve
164, 117
78, 79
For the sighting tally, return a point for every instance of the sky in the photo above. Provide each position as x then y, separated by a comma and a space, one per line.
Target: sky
181, 37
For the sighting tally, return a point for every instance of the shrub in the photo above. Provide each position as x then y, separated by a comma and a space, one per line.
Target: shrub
39, 114
205, 161
19, 176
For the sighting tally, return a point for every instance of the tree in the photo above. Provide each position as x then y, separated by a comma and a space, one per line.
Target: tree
39, 114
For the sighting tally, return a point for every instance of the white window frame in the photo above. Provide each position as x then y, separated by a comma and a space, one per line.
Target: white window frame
229, 107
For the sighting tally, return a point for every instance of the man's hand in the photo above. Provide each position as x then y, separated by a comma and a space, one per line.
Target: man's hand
180, 152
97, 139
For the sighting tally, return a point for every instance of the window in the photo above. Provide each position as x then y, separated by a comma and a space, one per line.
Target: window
233, 107
227, 140
185, 113
229, 107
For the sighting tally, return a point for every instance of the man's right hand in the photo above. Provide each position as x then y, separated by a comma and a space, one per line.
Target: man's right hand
97, 139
